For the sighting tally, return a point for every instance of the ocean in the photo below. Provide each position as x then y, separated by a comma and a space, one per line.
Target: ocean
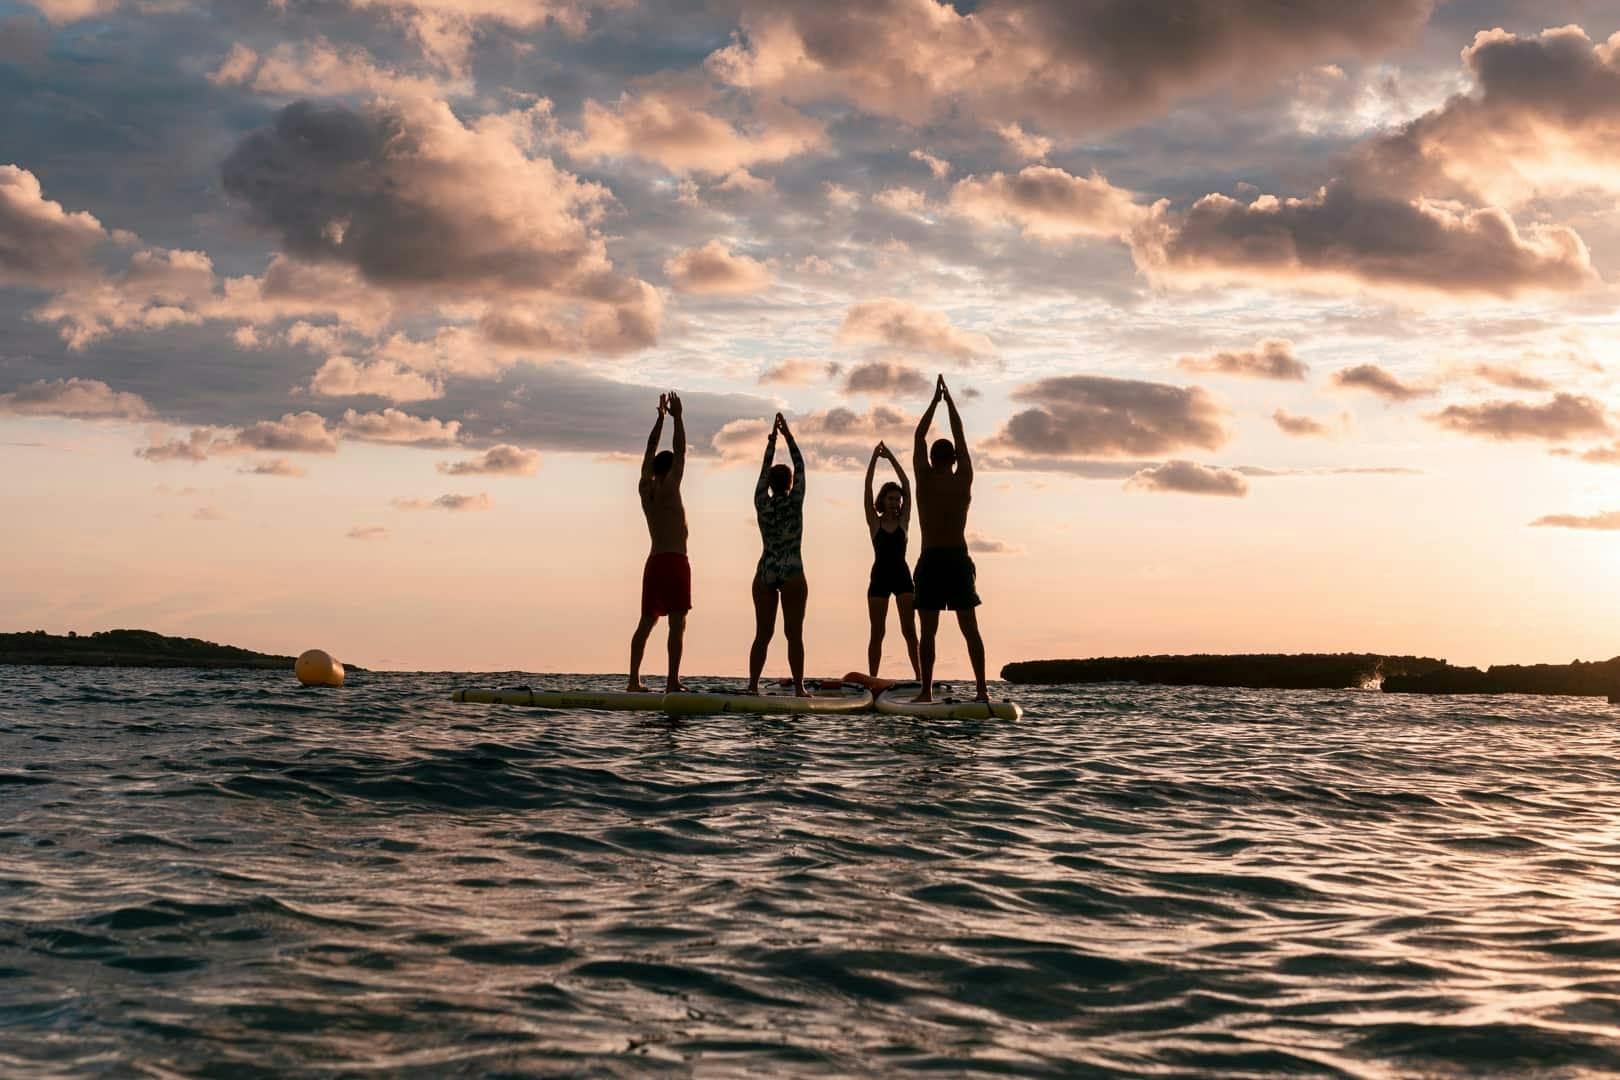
221, 874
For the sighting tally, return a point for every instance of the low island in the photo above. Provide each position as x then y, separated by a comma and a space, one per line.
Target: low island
1327, 671
132, 648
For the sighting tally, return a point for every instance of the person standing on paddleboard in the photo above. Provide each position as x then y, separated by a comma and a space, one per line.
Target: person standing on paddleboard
946, 577
666, 581
888, 518
779, 507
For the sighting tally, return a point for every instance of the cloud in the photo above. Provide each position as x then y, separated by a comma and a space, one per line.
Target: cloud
320, 69
1049, 204
343, 376
886, 377
1023, 143
1272, 358
302, 433
209, 513
447, 29
399, 428
901, 200
1093, 415
367, 532
1289, 424
1071, 67
714, 270
1597, 455
453, 503
1607, 522
672, 128
1508, 376
902, 325
42, 245
1342, 238
276, 467
501, 460
389, 190
1375, 380
799, 371
984, 545
1565, 416
938, 166
1190, 478
74, 398
194, 448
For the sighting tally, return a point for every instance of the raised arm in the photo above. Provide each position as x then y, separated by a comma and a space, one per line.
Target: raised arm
654, 438
920, 449
964, 463
871, 470
679, 470
905, 491
765, 466
797, 494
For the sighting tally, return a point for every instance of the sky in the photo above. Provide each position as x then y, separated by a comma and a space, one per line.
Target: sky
1275, 327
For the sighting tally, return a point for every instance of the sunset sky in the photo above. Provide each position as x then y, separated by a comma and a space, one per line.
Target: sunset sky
1276, 327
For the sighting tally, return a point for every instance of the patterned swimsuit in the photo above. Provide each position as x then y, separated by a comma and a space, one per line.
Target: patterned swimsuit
781, 520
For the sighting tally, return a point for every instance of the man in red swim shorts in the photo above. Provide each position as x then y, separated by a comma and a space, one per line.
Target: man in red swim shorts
666, 583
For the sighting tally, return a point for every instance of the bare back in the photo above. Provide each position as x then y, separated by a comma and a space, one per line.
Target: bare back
942, 506
665, 513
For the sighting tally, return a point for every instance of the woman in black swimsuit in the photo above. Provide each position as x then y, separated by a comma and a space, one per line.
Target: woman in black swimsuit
888, 517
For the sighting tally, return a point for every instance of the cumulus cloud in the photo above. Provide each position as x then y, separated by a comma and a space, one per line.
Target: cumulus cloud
1071, 67
1345, 238
501, 460
77, 399
1289, 424
1190, 478
903, 325
367, 532
1024, 143
343, 376
674, 129
1272, 358
1376, 380
453, 503
320, 69
1509, 376
41, 244
714, 270
194, 447
1564, 416
984, 545
276, 467
902, 200
800, 371
1607, 522
886, 377
938, 166
301, 432
1049, 204
1097, 416
399, 428
389, 190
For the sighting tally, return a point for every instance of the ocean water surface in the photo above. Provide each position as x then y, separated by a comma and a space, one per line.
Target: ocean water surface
223, 874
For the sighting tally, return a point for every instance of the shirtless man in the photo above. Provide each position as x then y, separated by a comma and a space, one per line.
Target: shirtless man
945, 574
666, 582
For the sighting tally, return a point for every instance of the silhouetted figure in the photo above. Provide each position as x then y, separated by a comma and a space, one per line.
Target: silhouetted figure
888, 517
945, 573
666, 582
779, 506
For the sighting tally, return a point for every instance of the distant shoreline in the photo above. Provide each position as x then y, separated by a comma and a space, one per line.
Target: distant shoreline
1326, 671
133, 649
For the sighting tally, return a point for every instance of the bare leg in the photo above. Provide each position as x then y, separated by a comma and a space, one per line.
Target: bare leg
925, 653
968, 620
677, 639
905, 606
638, 646
764, 630
795, 597
878, 608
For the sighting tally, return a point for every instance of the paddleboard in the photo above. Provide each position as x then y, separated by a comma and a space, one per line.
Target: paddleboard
563, 699
896, 701
825, 698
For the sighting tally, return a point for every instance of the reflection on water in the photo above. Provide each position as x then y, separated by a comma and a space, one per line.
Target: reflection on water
222, 874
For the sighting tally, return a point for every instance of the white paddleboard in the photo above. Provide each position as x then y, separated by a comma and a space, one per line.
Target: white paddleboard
563, 699
843, 698
896, 701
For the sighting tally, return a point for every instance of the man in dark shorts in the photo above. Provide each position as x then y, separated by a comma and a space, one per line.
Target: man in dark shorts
666, 582
945, 575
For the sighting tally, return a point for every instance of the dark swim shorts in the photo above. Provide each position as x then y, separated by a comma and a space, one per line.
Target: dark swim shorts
890, 579
666, 584
945, 580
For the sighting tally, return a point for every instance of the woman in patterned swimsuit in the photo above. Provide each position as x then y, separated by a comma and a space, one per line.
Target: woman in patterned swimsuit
779, 505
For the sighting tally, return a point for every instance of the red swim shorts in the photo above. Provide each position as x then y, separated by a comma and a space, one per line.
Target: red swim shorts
666, 584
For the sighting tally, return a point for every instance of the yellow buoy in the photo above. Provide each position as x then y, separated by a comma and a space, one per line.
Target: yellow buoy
317, 668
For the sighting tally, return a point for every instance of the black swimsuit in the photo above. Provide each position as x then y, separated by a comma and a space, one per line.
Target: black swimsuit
889, 571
